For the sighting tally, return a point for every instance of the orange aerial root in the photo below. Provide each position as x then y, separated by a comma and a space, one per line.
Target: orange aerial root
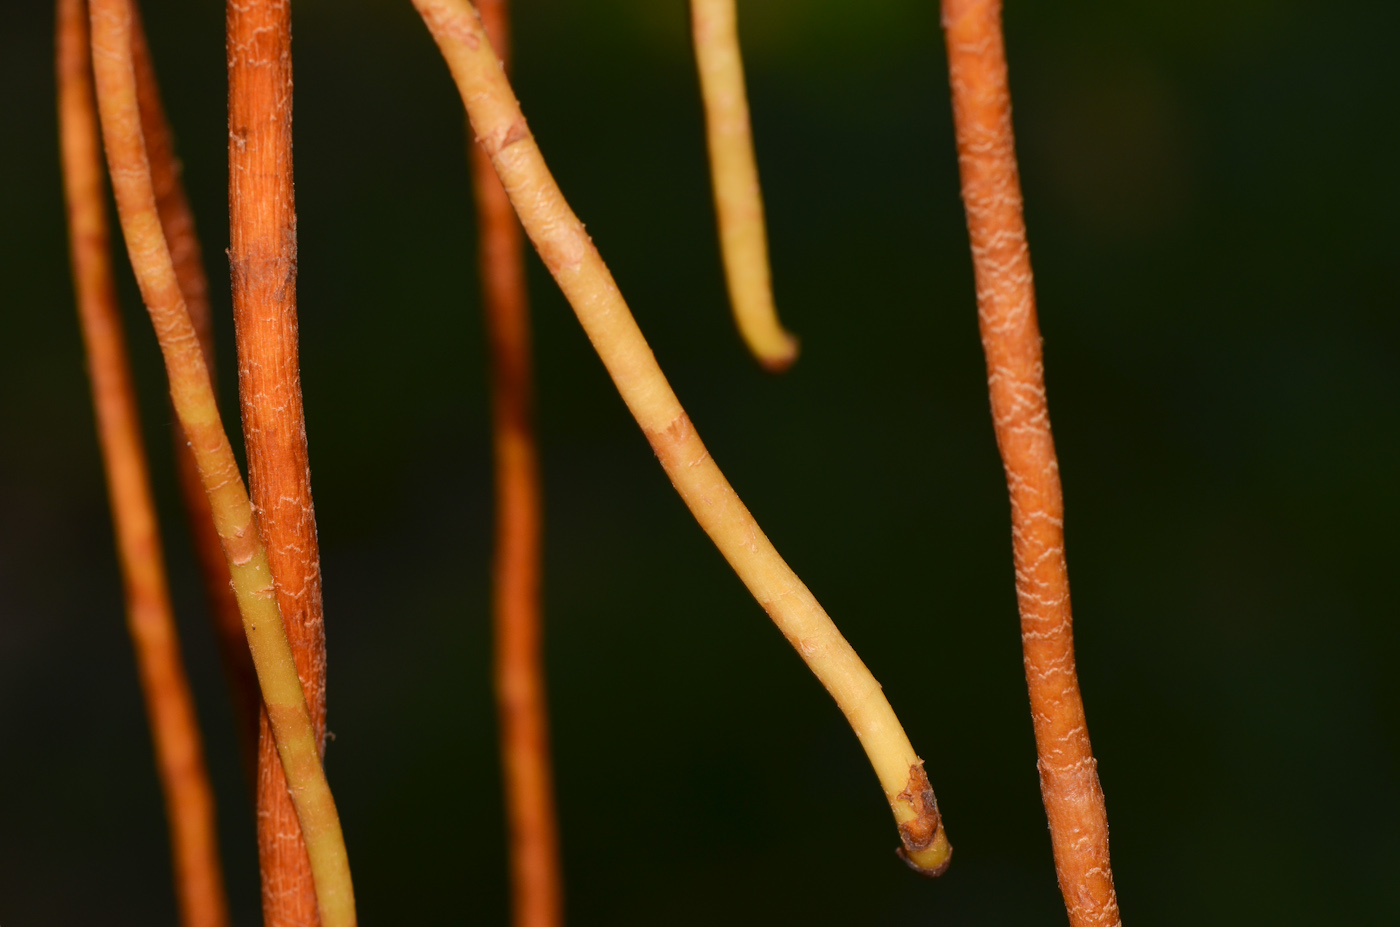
189, 800
536, 889
991, 191
262, 255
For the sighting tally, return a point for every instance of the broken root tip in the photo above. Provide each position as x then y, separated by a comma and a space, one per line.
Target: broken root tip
926, 849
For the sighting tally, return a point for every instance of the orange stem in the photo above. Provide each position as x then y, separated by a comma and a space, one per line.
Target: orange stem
189, 801
991, 190
536, 887
262, 254
177, 221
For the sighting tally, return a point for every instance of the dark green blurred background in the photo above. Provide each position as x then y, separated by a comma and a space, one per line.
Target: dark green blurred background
1211, 196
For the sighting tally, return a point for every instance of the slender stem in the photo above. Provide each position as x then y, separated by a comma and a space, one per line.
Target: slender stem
193, 398
734, 174
262, 256
559, 238
177, 219
189, 799
991, 191
536, 889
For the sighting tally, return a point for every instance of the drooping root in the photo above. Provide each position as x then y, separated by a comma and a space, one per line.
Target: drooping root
574, 262
743, 234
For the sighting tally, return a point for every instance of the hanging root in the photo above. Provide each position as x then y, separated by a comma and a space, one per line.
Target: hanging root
579, 270
743, 235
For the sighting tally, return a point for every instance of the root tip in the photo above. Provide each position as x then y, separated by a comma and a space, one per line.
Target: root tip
781, 359
928, 872
926, 849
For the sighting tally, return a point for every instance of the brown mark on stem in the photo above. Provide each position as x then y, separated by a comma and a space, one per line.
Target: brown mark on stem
536, 889
177, 221
179, 753
991, 191
919, 834
262, 257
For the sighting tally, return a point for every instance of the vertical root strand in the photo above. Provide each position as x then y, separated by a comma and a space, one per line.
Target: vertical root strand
177, 220
536, 880
193, 398
179, 752
991, 190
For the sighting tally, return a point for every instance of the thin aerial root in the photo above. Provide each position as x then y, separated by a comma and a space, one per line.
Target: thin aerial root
177, 220
991, 190
536, 879
574, 262
189, 799
734, 176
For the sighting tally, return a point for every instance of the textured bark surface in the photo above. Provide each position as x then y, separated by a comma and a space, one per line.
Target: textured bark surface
177, 221
536, 879
179, 753
262, 255
991, 190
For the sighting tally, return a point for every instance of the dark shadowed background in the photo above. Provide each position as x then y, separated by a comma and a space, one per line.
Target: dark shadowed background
1212, 199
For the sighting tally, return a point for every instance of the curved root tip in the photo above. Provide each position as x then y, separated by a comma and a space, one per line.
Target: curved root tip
780, 360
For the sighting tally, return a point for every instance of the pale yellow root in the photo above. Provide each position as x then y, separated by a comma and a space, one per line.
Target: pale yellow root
579, 270
734, 175
195, 407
